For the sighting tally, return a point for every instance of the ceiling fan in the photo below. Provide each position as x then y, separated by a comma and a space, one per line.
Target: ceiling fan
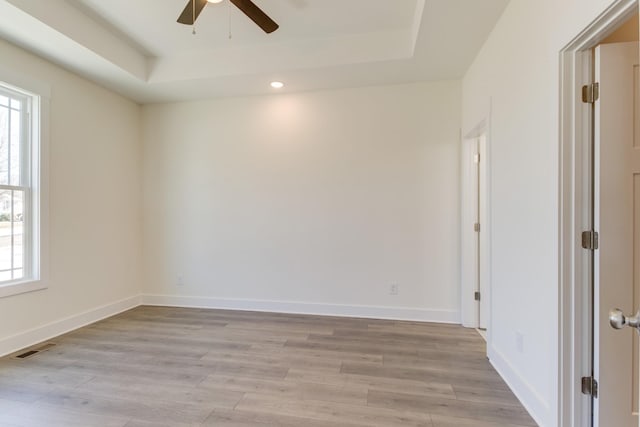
194, 7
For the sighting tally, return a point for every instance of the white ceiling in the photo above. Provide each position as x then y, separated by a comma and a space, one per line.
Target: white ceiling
137, 48
151, 23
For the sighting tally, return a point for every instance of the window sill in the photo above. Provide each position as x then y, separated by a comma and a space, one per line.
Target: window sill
11, 289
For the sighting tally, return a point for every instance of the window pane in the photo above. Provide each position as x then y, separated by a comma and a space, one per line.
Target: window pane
4, 101
16, 104
14, 148
5, 275
11, 234
18, 233
5, 234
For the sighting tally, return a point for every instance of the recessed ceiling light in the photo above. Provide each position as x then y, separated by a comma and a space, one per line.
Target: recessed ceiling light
277, 85
214, 1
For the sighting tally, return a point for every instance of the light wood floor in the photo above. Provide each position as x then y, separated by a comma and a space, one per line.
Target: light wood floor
156, 366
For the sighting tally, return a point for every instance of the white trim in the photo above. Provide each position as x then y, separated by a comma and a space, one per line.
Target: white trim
480, 128
391, 313
50, 330
42, 186
15, 288
37, 228
485, 231
572, 336
533, 402
469, 307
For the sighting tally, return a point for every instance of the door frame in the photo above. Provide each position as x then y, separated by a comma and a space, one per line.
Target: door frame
574, 408
469, 307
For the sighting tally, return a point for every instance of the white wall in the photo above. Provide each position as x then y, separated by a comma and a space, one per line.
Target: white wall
95, 206
311, 202
517, 72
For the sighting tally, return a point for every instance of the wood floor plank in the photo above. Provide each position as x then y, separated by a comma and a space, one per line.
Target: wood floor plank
134, 422
18, 371
344, 393
23, 415
253, 370
130, 348
186, 374
162, 366
141, 408
157, 391
442, 362
343, 356
278, 359
330, 412
487, 395
428, 336
348, 347
450, 407
238, 418
374, 383
19, 390
445, 421
428, 374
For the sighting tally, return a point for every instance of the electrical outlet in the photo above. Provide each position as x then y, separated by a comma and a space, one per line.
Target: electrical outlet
520, 342
394, 289
180, 281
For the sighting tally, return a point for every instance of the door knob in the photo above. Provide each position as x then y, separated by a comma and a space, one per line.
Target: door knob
618, 320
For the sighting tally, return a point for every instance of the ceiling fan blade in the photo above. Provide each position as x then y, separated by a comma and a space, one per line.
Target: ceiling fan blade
263, 21
188, 17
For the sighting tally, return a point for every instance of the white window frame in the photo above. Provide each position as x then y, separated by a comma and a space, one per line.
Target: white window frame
36, 230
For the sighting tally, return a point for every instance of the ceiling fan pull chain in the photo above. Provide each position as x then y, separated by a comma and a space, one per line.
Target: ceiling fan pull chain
193, 30
229, 14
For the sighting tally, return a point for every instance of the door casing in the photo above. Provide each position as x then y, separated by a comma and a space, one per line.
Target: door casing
575, 333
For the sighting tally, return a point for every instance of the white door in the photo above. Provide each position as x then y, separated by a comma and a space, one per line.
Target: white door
470, 235
483, 234
475, 251
617, 220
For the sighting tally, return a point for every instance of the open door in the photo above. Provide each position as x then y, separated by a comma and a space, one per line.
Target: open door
483, 234
475, 250
617, 221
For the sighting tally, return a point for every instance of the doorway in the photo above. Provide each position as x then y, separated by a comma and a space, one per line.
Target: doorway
476, 296
599, 121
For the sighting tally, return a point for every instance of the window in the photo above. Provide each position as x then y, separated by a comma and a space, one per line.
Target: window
20, 191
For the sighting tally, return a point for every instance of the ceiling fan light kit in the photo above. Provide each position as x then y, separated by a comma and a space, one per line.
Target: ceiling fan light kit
194, 7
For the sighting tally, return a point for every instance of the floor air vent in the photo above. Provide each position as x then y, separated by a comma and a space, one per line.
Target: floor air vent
33, 352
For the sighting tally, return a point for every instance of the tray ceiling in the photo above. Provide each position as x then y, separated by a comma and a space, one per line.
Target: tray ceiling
138, 49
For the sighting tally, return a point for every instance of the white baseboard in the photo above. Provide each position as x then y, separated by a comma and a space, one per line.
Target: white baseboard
46, 332
532, 401
392, 313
